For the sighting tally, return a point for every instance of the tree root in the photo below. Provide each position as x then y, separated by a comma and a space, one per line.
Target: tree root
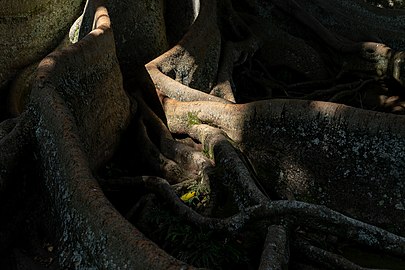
155, 160
193, 61
187, 57
276, 251
7, 126
311, 216
337, 42
234, 52
360, 24
272, 119
339, 91
324, 258
78, 203
374, 58
236, 175
79, 110
163, 154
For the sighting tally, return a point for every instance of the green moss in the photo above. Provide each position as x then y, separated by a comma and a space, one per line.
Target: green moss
76, 34
192, 119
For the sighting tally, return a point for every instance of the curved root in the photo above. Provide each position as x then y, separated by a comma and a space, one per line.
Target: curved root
276, 250
324, 258
14, 143
311, 216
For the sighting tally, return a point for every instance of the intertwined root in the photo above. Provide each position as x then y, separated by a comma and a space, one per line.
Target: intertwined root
246, 191
79, 110
215, 125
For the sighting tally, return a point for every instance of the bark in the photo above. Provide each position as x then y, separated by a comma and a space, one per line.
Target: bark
314, 151
68, 105
214, 138
30, 30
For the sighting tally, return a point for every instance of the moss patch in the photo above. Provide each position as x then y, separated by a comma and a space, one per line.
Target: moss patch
192, 119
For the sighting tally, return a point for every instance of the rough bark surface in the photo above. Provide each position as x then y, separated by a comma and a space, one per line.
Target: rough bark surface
237, 134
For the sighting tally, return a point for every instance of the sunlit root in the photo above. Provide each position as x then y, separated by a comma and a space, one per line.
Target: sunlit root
166, 86
259, 161
192, 160
236, 174
165, 157
287, 125
193, 62
181, 116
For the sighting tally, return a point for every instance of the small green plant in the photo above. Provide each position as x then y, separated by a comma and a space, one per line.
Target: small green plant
197, 196
193, 119
208, 153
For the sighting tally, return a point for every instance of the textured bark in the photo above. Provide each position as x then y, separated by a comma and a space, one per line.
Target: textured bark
226, 143
30, 30
276, 251
314, 151
70, 106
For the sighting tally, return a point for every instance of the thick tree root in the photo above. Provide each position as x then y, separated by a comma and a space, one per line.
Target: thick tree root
79, 206
236, 175
188, 57
374, 58
7, 126
311, 216
235, 52
356, 20
324, 258
155, 160
276, 251
161, 154
291, 149
273, 119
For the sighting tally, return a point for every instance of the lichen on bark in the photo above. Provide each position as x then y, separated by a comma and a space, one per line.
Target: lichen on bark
238, 134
